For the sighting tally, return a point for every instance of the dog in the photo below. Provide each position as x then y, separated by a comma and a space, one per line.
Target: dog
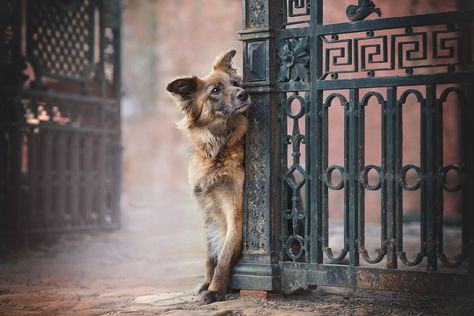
214, 109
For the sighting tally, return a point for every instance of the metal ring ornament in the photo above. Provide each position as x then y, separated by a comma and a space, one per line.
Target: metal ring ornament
327, 177
298, 239
403, 177
444, 172
302, 110
365, 181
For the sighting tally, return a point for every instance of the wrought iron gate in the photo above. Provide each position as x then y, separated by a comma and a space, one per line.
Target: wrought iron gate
60, 141
300, 70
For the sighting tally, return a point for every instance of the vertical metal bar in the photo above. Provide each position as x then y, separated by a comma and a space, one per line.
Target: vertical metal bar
61, 173
398, 130
82, 179
424, 188
285, 205
360, 112
468, 163
76, 185
117, 126
315, 131
353, 188
88, 172
4, 154
53, 174
429, 178
101, 175
307, 186
347, 172
33, 175
384, 180
46, 186
17, 215
467, 130
12, 16
438, 190
324, 167
394, 191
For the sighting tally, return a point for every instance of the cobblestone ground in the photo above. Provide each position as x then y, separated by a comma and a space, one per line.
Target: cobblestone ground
151, 267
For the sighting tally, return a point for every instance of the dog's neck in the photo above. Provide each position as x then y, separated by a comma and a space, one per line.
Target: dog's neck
211, 141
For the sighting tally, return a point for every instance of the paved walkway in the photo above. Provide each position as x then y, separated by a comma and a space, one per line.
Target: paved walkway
151, 267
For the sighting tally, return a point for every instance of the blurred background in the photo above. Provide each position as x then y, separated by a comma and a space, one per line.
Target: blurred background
163, 40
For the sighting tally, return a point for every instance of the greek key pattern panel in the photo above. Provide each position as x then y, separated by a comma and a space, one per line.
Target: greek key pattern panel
296, 13
395, 52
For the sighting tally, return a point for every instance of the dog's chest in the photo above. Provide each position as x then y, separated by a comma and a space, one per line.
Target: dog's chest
224, 168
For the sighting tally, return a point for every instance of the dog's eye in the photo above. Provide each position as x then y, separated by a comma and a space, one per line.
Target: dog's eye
216, 90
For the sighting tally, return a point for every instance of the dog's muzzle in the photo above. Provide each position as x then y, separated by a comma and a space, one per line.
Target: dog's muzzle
242, 95
242, 101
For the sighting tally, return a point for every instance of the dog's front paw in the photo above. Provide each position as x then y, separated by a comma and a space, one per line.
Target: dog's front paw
209, 297
203, 288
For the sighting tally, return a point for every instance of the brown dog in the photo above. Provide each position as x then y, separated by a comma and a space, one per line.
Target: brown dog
214, 109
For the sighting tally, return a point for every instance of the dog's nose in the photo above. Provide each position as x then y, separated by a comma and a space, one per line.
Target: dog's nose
242, 95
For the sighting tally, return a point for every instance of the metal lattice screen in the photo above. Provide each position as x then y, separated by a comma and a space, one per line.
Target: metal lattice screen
61, 40
60, 131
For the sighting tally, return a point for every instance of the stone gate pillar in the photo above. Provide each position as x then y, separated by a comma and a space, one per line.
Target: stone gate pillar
258, 267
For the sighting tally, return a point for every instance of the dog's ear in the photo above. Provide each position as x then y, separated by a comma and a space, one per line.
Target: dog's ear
224, 63
185, 89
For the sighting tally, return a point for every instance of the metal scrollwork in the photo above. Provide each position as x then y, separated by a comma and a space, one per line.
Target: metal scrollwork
296, 247
363, 9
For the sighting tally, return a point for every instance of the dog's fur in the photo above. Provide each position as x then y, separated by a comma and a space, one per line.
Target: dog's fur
214, 110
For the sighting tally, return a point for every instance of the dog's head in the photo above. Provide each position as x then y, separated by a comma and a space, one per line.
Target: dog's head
216, 97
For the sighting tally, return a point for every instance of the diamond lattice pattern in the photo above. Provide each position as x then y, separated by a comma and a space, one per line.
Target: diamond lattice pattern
61, 41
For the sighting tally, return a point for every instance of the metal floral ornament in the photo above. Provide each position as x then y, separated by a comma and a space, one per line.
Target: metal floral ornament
293, 54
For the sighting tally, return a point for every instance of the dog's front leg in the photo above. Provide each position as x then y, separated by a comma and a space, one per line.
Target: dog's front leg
209, 267
229, 255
